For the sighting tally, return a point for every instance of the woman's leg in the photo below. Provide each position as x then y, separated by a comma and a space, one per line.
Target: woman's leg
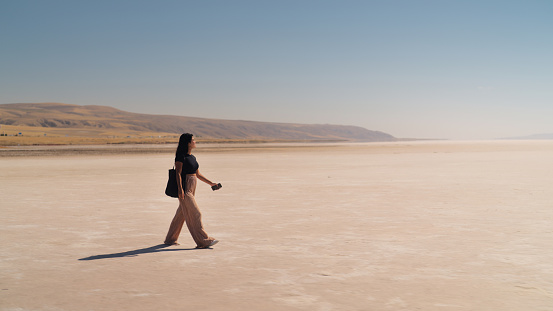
193, 215
175, 227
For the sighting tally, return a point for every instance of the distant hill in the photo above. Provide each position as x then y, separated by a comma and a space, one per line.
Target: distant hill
545, 136
104, 121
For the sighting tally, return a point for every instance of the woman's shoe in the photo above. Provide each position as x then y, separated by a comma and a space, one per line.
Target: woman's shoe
210, 244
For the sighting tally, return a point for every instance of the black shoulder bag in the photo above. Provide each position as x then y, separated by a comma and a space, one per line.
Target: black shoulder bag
172, 188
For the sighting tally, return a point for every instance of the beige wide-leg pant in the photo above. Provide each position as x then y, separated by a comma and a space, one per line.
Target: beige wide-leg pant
188, 212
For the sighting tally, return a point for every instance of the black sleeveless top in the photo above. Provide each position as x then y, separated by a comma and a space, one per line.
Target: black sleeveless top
189, 166
189, 163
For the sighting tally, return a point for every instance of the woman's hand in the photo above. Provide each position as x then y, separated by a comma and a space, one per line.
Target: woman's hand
213, 185
181, 194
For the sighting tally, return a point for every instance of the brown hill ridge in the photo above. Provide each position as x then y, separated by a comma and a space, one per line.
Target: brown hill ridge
107, 121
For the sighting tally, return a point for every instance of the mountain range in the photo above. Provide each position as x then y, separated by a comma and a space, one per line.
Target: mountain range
543, 136
109, 121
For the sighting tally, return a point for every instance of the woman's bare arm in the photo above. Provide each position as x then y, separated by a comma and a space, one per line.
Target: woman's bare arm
204, 179
178, 169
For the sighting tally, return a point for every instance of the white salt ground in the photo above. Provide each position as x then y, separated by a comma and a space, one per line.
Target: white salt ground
382, 226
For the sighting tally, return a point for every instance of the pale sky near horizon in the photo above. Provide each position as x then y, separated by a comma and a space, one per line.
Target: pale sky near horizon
426, 69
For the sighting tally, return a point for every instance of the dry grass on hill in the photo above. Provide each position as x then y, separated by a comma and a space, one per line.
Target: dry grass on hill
31, 135
45, 123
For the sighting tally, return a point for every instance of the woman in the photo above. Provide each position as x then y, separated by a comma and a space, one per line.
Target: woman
187, 175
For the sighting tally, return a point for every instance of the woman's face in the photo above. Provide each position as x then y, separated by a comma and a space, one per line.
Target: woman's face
192, 144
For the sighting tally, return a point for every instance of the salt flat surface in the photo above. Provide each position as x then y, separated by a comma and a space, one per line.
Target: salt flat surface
387, 226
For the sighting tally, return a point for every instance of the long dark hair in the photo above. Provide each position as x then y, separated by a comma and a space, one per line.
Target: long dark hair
182, 148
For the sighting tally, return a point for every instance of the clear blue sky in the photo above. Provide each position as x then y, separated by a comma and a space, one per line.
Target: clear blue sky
412, 68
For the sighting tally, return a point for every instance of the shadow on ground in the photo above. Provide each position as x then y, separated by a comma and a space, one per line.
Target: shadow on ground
136, 252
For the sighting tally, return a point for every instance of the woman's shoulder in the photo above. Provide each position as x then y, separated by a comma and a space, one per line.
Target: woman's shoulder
179, 158
182, 158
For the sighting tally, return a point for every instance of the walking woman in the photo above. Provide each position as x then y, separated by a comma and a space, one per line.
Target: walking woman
187, 175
